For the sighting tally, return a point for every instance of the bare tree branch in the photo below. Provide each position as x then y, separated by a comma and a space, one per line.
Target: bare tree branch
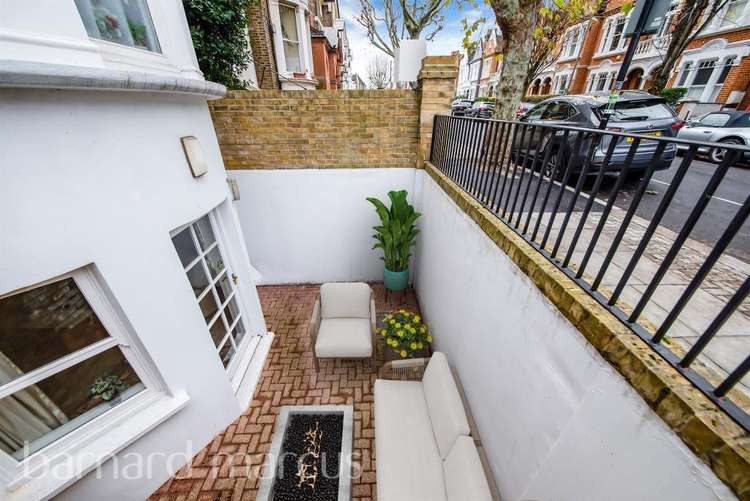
401, 19
379, 72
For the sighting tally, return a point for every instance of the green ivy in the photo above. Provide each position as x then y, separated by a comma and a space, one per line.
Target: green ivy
218, 31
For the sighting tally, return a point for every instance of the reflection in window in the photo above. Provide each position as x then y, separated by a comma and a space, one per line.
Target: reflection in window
733, 14
125, 22
39, 328
290, 38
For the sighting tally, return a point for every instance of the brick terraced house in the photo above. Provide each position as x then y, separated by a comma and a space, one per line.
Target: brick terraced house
715, 67
299, 45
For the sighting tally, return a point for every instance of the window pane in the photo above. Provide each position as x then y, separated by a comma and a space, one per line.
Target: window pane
291, 55
43, 324
224, 288
204, 232
288, 23
198, 279
183, 242
704, 73
41, 413
238, 332
214, 262
208, 306
231, 311
125, 22
217, 331
226, 353
715, 119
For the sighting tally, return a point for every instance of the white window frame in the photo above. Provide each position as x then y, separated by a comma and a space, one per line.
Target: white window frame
572, 44
298, 41
220, 243
95, 440
303, 33
668, 17
609, 35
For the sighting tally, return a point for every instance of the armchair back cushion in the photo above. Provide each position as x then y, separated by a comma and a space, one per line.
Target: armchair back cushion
463, 473
345, 300
443, 403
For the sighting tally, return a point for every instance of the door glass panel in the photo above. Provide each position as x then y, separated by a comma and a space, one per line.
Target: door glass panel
204, 232
197, 278
183, 243
238, 332
44, 324
224, 288
208, 306
215, 262
217, 331
226, 353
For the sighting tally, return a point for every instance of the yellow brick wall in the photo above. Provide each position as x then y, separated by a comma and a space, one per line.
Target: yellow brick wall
274, 129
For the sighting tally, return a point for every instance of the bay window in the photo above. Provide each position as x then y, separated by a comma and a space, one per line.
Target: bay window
701, 77
572, 42
613, 39
124, 22
290, 38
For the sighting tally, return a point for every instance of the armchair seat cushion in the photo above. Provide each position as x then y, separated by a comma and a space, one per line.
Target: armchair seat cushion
408, 464
344, 338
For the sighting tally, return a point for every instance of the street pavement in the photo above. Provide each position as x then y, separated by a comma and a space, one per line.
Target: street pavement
732, 343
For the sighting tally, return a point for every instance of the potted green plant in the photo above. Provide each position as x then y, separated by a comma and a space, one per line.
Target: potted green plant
396, 235
405, 332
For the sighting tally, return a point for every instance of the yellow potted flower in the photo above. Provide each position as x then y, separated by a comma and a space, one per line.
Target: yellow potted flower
405, 332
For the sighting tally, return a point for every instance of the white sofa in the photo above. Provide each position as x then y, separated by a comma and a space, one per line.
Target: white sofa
423, 447
343, 321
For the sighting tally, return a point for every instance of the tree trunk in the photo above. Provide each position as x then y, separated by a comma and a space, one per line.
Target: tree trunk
689, 17
516, 20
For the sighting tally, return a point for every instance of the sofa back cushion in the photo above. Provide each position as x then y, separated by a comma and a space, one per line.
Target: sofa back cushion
443, 403
345, 300
463, 473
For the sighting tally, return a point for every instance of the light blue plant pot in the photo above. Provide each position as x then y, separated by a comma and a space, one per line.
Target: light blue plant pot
395, 280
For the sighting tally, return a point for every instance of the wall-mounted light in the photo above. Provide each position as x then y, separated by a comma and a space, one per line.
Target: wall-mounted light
194, 154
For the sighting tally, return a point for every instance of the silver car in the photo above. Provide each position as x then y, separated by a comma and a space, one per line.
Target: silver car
729, 127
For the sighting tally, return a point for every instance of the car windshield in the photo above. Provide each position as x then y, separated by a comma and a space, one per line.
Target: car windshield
633, 111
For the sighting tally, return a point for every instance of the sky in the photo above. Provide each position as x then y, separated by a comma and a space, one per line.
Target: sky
446, 41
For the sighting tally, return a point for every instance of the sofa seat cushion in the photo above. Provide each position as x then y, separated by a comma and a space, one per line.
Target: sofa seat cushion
344, 337
463, 472
444, 403
345, 300
408, 465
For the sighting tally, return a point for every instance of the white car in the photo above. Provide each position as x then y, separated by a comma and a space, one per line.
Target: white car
730, 127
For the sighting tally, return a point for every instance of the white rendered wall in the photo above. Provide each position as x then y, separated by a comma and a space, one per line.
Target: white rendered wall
100, 177
558, 422
315, 225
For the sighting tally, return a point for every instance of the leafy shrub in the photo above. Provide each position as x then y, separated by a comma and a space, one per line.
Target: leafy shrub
396, 234
485, 99
218, 31
536, 99
673, 94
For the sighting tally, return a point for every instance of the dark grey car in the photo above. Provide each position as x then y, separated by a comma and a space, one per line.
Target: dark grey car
636, 112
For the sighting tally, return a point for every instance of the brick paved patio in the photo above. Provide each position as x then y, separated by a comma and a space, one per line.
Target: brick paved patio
228, 468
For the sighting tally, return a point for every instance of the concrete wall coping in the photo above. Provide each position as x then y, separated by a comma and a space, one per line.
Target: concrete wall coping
23, 74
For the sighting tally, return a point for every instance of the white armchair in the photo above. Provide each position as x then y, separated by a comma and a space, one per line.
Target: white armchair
343, 322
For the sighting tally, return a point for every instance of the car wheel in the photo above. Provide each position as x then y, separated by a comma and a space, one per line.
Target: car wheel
555, 167
717, 154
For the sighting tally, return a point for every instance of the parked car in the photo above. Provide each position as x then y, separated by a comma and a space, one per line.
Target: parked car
459, 106
523, 108
481, 109
728, 127
636, 112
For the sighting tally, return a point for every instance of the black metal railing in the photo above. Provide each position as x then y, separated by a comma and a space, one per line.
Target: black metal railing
531, 174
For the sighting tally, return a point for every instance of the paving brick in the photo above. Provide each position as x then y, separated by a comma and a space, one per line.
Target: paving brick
228, 468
